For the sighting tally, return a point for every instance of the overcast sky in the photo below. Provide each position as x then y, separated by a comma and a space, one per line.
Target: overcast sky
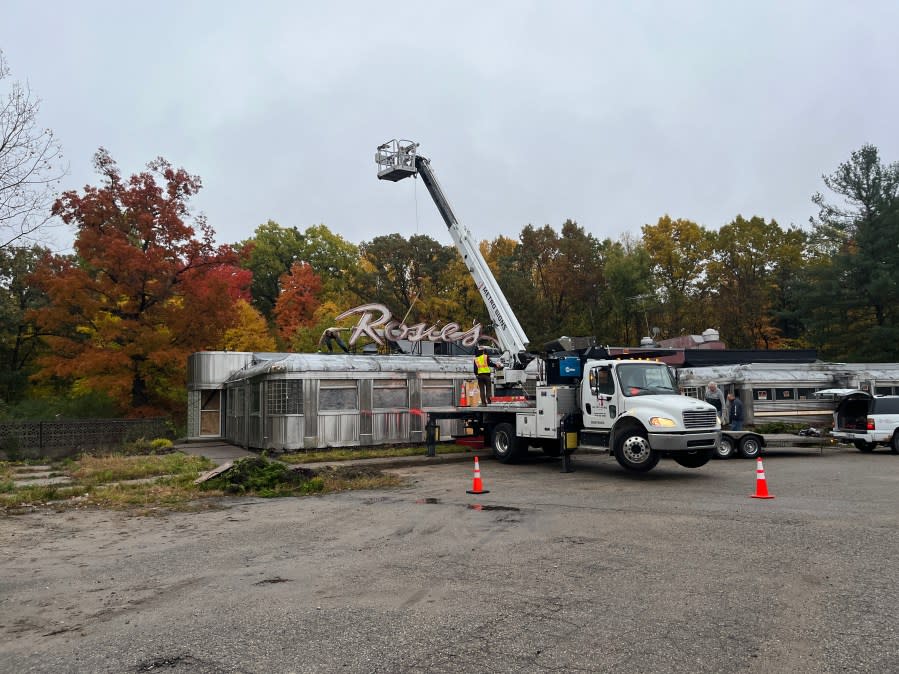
609, 113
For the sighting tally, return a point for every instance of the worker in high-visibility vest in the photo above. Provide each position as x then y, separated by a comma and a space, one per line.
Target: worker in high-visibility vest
483, 370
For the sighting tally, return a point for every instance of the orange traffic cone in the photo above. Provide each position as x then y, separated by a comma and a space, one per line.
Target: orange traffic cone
477, 486
463, 398
761, 485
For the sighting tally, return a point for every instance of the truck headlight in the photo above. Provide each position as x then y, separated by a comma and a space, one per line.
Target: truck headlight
662, 421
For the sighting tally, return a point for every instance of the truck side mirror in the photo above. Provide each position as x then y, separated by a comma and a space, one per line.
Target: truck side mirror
675, 374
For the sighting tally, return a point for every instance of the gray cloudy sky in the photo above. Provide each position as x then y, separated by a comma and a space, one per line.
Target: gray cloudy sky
611, 114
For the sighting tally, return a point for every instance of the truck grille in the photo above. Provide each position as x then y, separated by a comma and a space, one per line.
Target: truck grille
699, 419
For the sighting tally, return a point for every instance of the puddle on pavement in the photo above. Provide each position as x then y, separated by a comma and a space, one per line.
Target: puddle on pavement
472, 506
276, 579
478, 506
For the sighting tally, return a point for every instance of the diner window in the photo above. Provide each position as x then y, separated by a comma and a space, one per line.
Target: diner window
785, 394
255, 393
284, 396
338, 394
437, 393
390, 394
761, 394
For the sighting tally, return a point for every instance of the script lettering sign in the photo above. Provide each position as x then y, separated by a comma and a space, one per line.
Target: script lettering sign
377, 323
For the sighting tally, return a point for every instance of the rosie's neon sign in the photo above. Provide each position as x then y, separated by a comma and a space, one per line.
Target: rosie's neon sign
385, 327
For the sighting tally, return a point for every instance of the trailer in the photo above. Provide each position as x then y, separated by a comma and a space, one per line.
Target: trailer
749, 444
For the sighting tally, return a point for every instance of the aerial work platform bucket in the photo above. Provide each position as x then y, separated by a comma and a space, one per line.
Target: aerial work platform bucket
396, 160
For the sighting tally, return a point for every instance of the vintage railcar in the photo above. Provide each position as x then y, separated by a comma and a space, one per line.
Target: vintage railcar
784, 392
290, 401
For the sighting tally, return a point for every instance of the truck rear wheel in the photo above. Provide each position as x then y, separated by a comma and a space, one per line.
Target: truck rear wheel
633, 452
894, 444
506, 446
694, 459
750, 447
863, 446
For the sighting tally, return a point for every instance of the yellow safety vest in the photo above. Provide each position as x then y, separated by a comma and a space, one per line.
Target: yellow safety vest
482, 364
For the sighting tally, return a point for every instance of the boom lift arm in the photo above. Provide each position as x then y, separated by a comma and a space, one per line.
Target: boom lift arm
398, 159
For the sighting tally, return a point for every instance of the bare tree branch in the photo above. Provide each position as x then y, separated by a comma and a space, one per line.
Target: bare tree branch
31, 165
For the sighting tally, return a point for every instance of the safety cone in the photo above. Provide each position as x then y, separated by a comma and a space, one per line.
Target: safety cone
477, 487
463, 398
761, 485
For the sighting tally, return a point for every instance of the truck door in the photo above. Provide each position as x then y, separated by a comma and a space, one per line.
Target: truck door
600, 398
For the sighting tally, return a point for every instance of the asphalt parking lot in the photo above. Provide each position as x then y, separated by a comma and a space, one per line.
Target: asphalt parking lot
597, 570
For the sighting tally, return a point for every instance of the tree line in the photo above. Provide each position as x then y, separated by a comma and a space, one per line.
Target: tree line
108, 328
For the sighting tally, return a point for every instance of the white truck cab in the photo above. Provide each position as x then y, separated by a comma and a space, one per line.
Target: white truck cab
633, 408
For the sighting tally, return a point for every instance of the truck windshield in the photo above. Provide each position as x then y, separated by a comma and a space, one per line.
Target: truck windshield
645, 379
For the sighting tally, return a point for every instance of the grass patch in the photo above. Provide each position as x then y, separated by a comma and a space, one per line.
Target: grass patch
349, 454
103, 482
95, 470
97, 481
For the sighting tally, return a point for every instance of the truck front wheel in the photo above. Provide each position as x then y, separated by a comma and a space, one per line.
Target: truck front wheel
506, 446
633, 452
694, 459
725, 448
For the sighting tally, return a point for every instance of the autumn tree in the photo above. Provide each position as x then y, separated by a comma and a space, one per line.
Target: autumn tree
30, 164
250, 331
19, 342
397, 270
144, 289
678, 252
273, 249
269, 254
565, 271
298, 300
849, 296
750, 262
625, 308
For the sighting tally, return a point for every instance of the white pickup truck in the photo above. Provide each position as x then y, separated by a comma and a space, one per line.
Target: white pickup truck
863, 419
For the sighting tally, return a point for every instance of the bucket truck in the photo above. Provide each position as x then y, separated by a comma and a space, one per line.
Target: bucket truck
585, 397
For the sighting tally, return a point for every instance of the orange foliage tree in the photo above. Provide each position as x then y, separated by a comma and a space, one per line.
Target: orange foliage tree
298, 299
143, 290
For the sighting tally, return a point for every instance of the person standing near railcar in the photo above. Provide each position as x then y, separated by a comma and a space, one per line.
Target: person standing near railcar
715, 397
735, 412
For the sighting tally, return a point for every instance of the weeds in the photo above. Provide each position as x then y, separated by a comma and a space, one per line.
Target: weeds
268, 479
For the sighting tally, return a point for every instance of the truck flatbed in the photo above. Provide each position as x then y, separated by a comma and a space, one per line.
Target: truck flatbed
749, 444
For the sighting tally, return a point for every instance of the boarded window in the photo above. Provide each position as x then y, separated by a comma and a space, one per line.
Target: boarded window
285, 397
437, 393
390, 395
210, 412
338, 395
